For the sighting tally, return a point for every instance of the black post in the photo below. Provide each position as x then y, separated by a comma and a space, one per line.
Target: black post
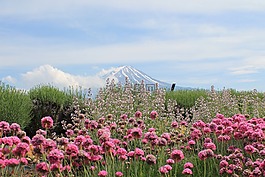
173, 86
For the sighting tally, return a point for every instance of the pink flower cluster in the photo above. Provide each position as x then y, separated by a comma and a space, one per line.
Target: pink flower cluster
236, 143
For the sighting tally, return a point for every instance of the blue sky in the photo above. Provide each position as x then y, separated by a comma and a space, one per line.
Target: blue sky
192, 43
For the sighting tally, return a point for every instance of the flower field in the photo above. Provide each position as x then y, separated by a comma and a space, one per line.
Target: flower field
140, 140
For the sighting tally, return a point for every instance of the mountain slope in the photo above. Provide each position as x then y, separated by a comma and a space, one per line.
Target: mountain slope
134, 76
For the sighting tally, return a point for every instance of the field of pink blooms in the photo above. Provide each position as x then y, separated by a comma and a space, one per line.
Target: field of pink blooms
137, 146
133, 134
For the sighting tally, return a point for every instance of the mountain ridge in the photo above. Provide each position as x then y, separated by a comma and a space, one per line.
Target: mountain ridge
135, 76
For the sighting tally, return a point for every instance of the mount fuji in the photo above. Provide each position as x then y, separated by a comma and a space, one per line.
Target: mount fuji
134, 76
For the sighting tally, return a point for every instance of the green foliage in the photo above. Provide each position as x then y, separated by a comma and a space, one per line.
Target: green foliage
186, 98
15, 105
48, 101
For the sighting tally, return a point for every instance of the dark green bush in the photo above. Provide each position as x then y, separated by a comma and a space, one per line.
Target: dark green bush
48, 101
15, 105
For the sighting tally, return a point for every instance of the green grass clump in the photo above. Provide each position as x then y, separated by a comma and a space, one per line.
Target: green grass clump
186, 98
15, 105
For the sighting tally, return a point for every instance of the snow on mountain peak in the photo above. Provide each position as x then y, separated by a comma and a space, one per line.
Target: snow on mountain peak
134, 76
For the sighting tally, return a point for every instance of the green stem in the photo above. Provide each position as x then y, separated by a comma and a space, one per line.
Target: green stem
204, 168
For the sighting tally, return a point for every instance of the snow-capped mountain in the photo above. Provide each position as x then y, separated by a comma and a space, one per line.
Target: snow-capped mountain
134, 76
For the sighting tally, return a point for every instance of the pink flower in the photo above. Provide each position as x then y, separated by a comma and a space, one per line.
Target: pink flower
177, 155
223, 164
47, 122
7, 141
21, 149
204, 154
118, 174
188, 165
184, 123
209, 146
136, 133
49, 145
138, 114
123, 116
223, 138
166, 136
42, 168
37, 140
67, 168
187, 171
170, 161
250, 149
130, 154
103, 173
24, 161
4, 126
191, 142
55, 156
168, 167
174, 124
138, 152
69, 132
121, 151
153, 115
163, 170
2, 163
71, 150
11, 162
79, 139
41, 132
62, 141
150, 159
15, 127
56, 167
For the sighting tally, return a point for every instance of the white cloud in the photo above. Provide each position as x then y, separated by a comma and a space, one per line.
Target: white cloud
152, 50
66, 8
47, 74
247, 80
243, 70
9, 79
